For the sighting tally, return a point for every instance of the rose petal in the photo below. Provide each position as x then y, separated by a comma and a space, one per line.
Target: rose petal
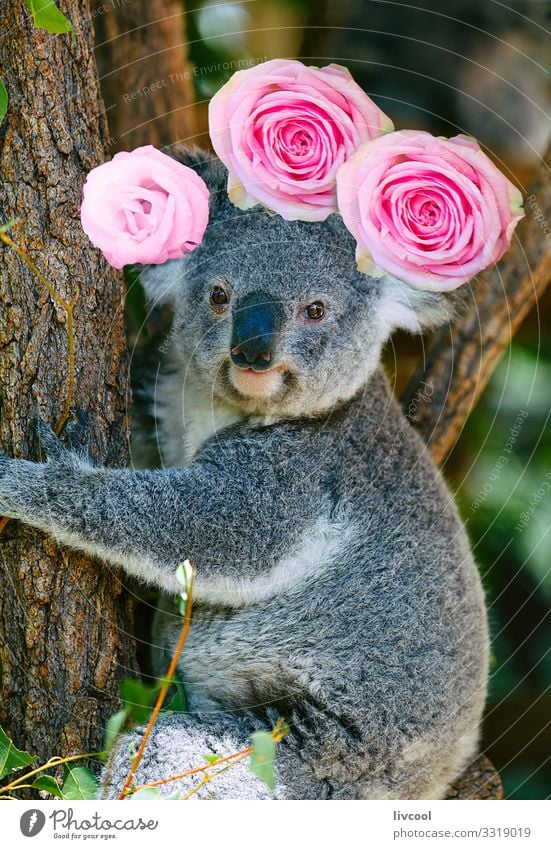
144, 207
252, 119
433, 212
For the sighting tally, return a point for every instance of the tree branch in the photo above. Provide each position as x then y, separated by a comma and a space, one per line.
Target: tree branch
461, 359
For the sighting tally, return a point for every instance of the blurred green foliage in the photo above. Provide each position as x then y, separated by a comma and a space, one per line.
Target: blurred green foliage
507, 510
223, 35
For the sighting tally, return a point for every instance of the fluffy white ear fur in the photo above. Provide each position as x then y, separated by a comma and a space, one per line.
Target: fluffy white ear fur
162, 282
405, 308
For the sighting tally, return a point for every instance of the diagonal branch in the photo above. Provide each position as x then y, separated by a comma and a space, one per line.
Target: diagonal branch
460, 360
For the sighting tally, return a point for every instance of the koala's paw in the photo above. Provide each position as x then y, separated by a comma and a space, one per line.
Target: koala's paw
37, 493
76, 432
18, 482
50, 443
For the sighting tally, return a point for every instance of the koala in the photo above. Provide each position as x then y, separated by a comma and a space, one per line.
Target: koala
334, 585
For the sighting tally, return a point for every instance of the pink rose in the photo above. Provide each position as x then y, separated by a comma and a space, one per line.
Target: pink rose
433, 212
144, 207
283, 130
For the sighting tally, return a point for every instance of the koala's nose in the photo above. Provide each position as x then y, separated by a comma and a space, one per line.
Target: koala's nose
256, 325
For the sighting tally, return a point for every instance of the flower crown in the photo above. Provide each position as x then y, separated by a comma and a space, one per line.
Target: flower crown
306, 142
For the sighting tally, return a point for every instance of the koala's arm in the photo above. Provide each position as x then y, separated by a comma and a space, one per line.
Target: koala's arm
225, 513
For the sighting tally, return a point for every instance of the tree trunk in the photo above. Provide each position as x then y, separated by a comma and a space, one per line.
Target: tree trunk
146, 82
64, 618
459, 363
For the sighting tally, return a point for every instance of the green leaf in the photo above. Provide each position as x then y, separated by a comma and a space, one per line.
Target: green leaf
47, 16
146, 793
184, 574
80, 783
176, 794
3, 101
49, 784
153, 793
114, 726
263, 757
212, 759
178, 703
139, 698
12, 758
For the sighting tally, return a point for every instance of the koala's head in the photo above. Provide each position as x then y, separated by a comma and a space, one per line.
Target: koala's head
272, 316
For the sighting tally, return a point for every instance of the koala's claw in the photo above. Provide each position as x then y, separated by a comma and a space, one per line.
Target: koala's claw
50, 443
77, 431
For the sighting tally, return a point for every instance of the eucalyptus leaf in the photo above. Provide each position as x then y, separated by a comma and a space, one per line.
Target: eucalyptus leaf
11, 758
80, 783
263, 757
47, 16
9, 225
3, 101
139, 698
178, 703
145, 794
114, 726
49, 784
176, 794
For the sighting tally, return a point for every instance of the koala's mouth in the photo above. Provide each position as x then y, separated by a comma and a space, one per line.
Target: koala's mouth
249, 383
255, 391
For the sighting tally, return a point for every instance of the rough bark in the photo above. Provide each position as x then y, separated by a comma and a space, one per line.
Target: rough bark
146, 82
479, 781
459, 363
64, 619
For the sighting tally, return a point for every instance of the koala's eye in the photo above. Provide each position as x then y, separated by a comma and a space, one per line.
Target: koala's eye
219, 296
314, 311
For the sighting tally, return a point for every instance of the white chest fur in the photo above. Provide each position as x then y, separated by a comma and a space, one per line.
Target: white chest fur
186, 418
321, 543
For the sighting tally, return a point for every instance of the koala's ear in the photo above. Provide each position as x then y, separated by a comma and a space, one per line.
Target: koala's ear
403, 307
160, 282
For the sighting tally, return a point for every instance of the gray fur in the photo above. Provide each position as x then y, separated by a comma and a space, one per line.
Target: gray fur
335, 585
